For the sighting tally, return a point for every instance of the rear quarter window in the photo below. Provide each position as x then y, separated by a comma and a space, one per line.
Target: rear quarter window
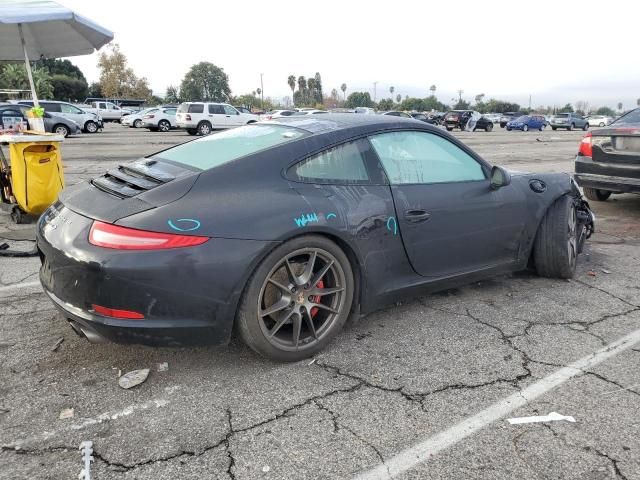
196, 108
342, 164
223, 147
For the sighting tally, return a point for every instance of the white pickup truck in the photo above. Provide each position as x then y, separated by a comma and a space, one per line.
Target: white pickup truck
110, 112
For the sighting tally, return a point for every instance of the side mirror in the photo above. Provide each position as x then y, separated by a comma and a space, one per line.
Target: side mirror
499, 178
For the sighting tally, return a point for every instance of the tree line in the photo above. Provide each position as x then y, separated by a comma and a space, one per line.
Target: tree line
62, 80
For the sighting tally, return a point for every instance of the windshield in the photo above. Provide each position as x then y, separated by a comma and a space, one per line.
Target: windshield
220, 148
562, 115
522, 119
632, 117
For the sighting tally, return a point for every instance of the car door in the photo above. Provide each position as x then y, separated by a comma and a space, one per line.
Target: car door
73, 113
171, 116
233, 117
450, 220
217, 116
12, 119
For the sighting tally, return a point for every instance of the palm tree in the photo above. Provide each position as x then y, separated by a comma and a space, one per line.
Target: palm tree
620, 106
433, 90
398, 98
391, 89
343, 87
292, 84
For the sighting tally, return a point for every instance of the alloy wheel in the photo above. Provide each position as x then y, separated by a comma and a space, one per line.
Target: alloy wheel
62, 130
302, 297
572, 238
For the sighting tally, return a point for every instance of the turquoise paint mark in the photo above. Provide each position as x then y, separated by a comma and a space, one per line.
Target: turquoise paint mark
195, 224
331, 215
392, 221
303, 219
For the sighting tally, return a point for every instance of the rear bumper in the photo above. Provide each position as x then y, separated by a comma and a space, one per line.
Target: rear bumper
614, 177
187, 296
185, 125
611, 184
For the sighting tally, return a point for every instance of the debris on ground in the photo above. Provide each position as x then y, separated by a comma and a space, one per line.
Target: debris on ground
604, 270
163, 367
552, 417
57, 344
86, 448
66, 413
591, 273
266, 468
133, 378
312, 361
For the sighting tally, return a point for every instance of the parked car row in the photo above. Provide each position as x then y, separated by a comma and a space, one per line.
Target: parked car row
12, 114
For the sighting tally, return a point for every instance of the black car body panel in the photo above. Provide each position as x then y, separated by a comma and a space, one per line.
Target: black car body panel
459, 119
249, 206
614, 164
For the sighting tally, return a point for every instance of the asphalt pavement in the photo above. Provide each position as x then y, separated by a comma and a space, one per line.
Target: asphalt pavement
420, 390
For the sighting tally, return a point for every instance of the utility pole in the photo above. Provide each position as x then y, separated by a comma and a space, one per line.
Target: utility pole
375, 84
529, 102
261, 93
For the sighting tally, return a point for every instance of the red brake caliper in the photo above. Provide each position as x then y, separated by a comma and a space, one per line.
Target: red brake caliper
316, 299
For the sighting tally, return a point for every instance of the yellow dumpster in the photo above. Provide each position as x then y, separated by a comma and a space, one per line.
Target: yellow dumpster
34, 173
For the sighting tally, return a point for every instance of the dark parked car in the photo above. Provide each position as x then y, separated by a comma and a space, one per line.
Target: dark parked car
508, 116
12, 113
569, 121
459, 119
609, 158
527, 122
423, 118
395, 113
283, 229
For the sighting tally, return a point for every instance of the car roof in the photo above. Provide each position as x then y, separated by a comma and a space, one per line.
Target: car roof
344, 121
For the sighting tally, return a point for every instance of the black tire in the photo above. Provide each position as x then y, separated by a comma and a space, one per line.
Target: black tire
61, 129
152, 129
192, 131
508, 129
293, 338
164, 125
525, 128
601, 124
489, 127
596, 194
204, 128
90, 127
556, 248
137, 123
571, 127
449, 128
553, 128
542, 127
586, 127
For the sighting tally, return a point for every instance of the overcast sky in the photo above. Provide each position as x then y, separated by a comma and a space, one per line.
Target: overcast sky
556, 51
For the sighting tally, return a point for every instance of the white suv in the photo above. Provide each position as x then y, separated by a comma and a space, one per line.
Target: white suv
204, 117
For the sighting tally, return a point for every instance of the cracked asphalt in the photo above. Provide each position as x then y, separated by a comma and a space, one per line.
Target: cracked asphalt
389, 380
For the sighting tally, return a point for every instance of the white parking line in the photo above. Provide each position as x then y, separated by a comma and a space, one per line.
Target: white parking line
18, 286
421, 452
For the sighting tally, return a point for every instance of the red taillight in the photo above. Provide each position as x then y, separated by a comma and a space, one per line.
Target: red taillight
187, 117
122, 238
115, 313
585, 146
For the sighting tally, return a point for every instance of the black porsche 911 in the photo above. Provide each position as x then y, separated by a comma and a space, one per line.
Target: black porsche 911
283, 229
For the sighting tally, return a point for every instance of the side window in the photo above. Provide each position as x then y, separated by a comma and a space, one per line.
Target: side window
51, 107
343, 164
102, 106
421, 157
197, 108
229, 110
216, 109
170, 111
66, 108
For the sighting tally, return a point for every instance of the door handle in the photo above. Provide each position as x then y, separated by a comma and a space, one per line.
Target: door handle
228, 116
416, 216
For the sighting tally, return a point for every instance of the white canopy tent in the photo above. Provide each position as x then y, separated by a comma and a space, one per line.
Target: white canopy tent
45, 29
